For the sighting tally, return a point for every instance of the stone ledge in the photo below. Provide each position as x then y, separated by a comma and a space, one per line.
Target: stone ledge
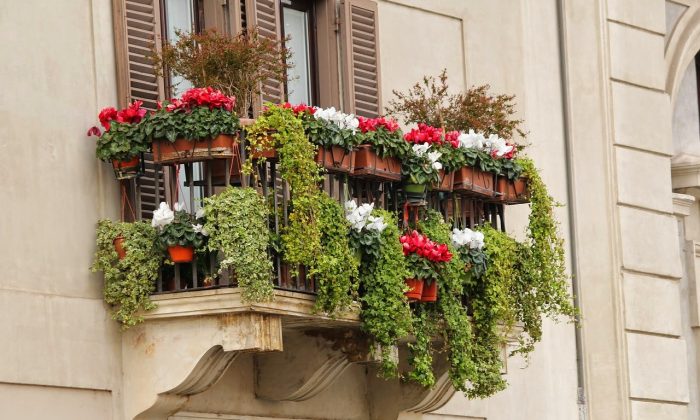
294, 307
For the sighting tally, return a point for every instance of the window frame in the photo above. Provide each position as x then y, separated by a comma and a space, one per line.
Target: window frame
308, 6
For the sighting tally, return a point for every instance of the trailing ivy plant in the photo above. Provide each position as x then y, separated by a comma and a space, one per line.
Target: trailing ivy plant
237, 224
129, 282
456, 328
301, 238
385, 312
336, 265
493, 311
424, 323
542, 287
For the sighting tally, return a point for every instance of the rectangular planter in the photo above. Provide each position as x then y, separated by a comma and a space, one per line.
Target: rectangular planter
446, 183
473, 181
512, 192
335, 159
372, 167
185, 150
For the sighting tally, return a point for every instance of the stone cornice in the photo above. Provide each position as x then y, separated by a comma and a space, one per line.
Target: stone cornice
294, 307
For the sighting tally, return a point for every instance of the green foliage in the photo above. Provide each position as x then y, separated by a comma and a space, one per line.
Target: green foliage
456, 327
511, 168
418, 169
197, 124
236, 65
385, 312
493, 309
335, 266
122, 142
386, 143
324, 133
181, 232
543, 288
237, 223
429, 102
301, 238
128, 282
421, 351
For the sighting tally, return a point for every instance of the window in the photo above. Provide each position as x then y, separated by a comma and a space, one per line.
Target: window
179, 16
298, 25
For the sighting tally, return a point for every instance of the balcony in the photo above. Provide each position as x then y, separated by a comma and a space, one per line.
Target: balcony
201, 323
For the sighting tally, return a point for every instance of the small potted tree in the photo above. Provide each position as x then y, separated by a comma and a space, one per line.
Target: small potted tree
179, 232
378, 156
422, 257
123, 139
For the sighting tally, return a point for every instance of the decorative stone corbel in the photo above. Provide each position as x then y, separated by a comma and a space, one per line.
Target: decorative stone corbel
167, 360
312, 362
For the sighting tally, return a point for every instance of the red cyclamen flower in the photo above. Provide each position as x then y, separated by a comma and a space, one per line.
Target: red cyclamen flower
200, 97
372, 124
424, 134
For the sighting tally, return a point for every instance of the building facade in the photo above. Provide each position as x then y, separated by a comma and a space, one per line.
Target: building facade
609, 93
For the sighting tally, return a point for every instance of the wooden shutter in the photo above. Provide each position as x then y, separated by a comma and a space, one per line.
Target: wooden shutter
137, 29
265, 15
361, 72
224, 16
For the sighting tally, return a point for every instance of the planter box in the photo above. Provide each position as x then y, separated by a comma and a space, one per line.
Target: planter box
415, 291
370, 166
446, 182
473, 181
336, 159
185, 150
430, 292
127, 169
512, 192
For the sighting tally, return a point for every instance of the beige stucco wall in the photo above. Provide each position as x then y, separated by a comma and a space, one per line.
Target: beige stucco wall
57, 338
62, 354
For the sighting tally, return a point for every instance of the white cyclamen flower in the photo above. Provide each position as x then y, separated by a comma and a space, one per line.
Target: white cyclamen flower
376, 223
178, 206
434, 156
366, 209
499, 147
492, 141
200, 229
462, 237
163, 216
199, 214
421, 149
350, 205
477, 241
471, 140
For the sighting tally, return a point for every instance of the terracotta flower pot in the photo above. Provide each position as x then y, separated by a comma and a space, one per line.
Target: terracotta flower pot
336, 159
181, 254
415, 193
119, 247
446, 182
370, 166
416, 289
125, 169
473, 181
430, 292
512, 192
186, 150
123, 165
266, 151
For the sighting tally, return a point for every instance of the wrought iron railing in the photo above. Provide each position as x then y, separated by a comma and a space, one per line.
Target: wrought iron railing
190, 182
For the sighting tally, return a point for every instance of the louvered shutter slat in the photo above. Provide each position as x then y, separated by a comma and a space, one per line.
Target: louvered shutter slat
265, 16
137, 31
361, 56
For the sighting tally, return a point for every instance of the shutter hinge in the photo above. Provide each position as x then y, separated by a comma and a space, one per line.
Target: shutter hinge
336, 24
